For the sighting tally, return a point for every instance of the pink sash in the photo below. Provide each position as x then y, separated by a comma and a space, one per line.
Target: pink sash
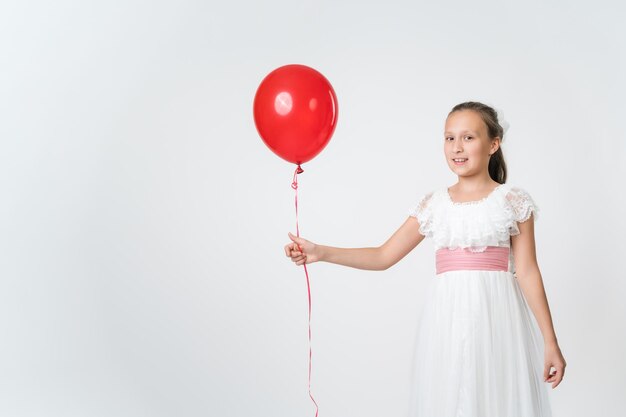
494, 258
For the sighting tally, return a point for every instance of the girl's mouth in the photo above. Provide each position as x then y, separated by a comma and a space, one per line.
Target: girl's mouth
459, 161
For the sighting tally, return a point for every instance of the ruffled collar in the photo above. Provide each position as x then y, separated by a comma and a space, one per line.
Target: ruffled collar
471, 224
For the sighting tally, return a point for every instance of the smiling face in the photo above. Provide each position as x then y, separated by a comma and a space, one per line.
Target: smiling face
466, 138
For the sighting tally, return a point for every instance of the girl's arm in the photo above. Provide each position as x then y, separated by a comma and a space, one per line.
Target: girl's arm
360, 258
531, 283
378, 258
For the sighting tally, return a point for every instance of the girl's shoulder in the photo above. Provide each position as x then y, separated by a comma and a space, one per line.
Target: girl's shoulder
520, 201
424, 209
514, 199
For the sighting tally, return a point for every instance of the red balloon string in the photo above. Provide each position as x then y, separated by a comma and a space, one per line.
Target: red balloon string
294, 185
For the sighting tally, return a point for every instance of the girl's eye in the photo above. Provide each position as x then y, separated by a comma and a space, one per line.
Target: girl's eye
450, 137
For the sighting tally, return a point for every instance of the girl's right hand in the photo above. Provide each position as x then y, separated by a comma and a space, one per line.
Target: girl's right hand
308, 254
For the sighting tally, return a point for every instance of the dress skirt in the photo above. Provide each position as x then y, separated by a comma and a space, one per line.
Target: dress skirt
478, 351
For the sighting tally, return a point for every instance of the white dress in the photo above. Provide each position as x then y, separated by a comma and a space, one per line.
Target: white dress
478, 351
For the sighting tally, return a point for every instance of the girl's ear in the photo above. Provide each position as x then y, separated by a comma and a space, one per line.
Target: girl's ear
495, 148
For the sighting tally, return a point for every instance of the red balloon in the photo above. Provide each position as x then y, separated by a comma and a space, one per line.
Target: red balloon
295, 112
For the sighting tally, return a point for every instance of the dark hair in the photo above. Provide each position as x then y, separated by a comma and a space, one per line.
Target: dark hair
497, 166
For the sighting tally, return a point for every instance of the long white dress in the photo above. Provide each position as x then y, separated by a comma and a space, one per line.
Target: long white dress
478, 351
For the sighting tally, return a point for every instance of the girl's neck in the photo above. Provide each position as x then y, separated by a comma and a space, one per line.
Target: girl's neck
474, 185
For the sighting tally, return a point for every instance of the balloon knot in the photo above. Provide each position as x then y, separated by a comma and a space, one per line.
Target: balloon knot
294, 184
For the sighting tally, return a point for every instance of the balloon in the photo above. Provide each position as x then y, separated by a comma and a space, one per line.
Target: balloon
295, 112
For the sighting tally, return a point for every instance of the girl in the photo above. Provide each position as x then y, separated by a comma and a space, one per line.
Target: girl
478, 351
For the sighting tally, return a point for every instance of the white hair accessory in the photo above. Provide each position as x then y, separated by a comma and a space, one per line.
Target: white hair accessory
505, 125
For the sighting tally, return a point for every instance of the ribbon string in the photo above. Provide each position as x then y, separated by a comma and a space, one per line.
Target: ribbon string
294, 185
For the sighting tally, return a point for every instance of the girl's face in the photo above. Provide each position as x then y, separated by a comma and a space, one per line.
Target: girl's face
466, 138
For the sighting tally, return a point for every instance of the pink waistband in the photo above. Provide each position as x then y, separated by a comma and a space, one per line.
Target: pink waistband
494, 258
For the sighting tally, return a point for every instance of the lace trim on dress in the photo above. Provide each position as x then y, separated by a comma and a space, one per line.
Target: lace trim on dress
423, 212
458, 203
520, 206
475, 225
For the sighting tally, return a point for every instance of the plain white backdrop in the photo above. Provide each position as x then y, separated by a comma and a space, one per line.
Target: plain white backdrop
142, 219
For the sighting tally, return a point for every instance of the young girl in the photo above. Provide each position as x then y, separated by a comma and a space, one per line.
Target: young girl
478, 351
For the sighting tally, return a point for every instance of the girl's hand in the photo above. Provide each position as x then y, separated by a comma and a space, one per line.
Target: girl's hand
553, 358
302, 251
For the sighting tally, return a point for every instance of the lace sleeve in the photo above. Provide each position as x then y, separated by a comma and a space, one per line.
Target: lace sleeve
423, 212
522, 205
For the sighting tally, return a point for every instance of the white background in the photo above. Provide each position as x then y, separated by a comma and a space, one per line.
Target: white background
142, 219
